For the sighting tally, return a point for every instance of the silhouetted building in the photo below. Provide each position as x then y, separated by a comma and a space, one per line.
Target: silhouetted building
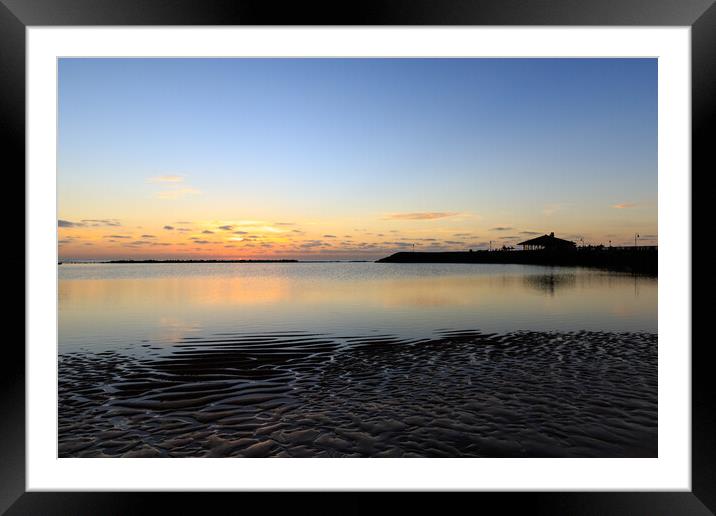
547, 242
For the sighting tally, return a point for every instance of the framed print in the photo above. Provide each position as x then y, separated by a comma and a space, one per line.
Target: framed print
413, 249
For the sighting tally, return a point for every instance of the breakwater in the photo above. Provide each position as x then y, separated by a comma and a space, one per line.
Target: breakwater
640, 260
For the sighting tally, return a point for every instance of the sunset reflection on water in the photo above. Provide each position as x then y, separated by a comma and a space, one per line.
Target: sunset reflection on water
103, 305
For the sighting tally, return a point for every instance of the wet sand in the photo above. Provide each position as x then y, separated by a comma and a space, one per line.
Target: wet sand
459, 394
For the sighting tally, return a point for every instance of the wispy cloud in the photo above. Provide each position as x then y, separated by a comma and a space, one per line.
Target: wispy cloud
424, 215
88, 223
624, 205
398, 244
101, 222
177, 193
502, 228
169, 228
175, 187
551, 209
312, 243
166, 179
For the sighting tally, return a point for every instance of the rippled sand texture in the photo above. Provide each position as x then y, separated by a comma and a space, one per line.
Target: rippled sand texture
466, 394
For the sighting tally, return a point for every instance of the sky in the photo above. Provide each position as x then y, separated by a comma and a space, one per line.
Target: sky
324, 159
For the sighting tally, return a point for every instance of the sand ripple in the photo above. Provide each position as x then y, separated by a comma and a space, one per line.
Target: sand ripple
460, 394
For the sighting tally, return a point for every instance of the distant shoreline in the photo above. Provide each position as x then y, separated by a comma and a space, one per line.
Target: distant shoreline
640, 260
75, 262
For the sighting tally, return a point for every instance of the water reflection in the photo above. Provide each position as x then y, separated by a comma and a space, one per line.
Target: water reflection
548, 283
101, 304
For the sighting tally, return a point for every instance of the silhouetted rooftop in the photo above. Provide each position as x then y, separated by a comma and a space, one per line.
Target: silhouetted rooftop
548, 241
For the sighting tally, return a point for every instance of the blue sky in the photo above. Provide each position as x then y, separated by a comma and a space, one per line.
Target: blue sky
564, 145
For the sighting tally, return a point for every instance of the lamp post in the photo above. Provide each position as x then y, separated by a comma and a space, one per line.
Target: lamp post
636, 235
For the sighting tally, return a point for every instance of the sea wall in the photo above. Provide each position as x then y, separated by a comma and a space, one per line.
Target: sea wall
641, 260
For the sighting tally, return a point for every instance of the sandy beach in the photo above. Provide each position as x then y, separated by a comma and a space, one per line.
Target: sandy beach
457, 394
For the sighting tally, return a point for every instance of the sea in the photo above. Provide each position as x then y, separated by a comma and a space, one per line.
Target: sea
355, 360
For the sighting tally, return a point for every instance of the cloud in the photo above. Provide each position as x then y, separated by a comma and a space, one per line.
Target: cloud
101, 222
551, 209
624, 205
284, 223
117, 236
329, 236
226, 228
202, 242
207, 232
453, 242
501, 228
148, 236
241, 232
530, 233
169, 228
177, 193
425, 215
166, 179
312, 243
88, 223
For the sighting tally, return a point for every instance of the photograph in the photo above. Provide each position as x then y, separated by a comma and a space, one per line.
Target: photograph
359, 257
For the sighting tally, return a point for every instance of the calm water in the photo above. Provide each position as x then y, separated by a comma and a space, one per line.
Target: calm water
355, 360
108, 306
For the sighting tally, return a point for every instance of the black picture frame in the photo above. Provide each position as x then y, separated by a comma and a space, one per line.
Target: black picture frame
16, 15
